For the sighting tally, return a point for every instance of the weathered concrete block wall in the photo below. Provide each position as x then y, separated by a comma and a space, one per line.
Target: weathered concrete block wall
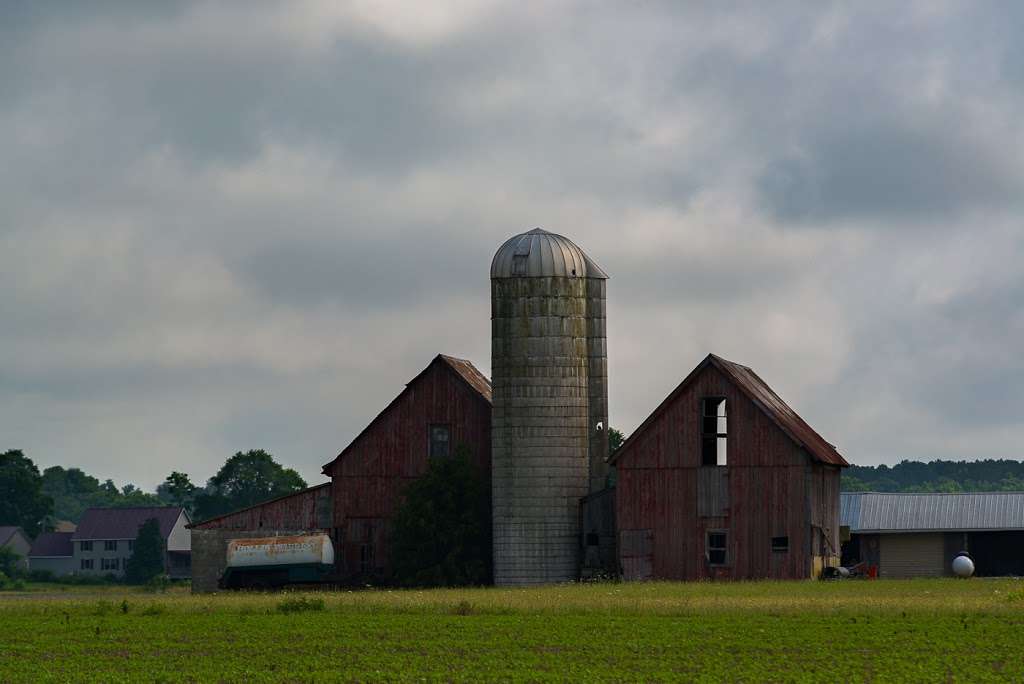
547, 339
209, 553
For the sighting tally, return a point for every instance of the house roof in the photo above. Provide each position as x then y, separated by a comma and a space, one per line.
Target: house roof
889, 512
462, 368
764, 397
124, 523
52, 544
8, 531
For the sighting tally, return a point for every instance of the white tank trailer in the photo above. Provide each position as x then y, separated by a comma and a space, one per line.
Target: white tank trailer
278, 561
549, 372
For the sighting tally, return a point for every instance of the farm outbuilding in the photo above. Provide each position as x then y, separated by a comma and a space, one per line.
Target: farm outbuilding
444, 408
725, 480
918, 535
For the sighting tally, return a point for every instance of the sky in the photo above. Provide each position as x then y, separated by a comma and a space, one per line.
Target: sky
238, 225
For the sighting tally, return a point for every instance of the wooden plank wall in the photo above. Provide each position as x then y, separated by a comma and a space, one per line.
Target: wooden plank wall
367, 483
767, 484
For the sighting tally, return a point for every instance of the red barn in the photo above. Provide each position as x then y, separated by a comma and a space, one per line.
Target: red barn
724, 480
445, 407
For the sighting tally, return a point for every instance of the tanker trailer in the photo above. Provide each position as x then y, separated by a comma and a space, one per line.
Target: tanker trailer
278, 561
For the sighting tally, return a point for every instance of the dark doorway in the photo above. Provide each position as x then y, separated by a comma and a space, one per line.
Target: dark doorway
997, 554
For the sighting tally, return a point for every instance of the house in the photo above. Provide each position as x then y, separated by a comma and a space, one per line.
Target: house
105, 539
52, 552
15, 539
444, 408
725, 480
918, 535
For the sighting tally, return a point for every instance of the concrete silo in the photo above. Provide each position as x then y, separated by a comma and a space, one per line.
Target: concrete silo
549, 372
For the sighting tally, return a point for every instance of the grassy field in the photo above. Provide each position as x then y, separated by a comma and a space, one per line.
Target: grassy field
853, 631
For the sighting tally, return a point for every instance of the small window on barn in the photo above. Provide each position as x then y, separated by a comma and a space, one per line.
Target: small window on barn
716, 545
713, 432
440, 441
780, 544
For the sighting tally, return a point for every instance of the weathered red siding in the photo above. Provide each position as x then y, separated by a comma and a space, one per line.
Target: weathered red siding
300, 511
368, 478
772, 486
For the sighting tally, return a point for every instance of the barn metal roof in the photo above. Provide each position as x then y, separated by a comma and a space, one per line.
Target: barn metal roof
765, 398
542, 254
886, 512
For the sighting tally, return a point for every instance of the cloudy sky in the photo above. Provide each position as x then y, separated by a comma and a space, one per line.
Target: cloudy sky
232, 226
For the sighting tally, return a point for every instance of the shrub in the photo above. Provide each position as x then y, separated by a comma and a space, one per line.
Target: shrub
441, 535
157, 583
147, 561
41, 576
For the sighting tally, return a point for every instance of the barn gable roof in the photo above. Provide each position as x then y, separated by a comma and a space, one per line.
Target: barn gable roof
764, 397
865, 512
464, 370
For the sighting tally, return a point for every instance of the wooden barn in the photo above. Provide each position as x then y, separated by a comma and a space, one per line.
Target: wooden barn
724, 480
446, 407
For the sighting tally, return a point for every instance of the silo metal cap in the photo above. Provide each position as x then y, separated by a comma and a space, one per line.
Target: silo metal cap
540, 254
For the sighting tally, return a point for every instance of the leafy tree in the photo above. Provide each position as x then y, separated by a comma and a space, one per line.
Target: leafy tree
22, 500
73, 491
936, 476
147, 560
441, 533
10, 562
615, 440
177, 490
246, 479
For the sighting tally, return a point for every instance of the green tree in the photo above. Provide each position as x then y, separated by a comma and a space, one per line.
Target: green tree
73, 491
441, 533
615, 440
147, 560
177, 490
22, 501
246, 479
10, 562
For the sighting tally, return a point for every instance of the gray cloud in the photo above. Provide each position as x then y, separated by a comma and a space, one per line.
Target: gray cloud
239, 226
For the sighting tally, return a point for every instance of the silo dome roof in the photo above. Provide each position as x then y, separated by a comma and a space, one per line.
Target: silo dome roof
540, 254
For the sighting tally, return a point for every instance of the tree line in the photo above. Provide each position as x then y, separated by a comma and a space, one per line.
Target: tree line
36, 501
990, 475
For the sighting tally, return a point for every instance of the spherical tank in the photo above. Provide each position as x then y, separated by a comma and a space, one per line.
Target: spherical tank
550, 394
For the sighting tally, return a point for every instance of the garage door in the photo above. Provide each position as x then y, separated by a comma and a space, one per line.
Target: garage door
911, 555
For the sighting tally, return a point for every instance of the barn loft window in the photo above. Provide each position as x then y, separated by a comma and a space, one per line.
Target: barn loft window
440, 441
716, 545
780, 544
713, 431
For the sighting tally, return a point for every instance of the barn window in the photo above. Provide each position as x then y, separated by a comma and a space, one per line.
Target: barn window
440, 439
716, 545
780, 544
713, 431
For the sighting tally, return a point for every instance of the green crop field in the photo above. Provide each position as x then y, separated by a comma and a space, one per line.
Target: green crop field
850, 631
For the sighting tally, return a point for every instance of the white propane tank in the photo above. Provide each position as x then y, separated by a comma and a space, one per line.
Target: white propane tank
963, 566
292, 550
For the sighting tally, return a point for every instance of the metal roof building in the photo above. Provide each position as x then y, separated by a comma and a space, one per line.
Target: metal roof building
914, 535
865, 512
